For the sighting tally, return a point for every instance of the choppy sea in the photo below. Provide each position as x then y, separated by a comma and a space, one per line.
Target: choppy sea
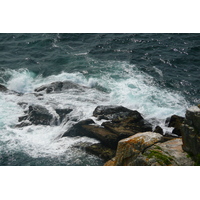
156, 74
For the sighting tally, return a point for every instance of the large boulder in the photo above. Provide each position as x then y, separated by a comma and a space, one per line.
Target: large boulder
191, 132
59, 86
123, 121
85, 128
129, 149
147, 149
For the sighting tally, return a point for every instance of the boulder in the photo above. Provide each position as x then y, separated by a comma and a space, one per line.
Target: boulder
158, 129
146, 149
128, 125
6, 90
59, 86
123, 121
130, 148
114, 113
191, 132
84, 128
175, 121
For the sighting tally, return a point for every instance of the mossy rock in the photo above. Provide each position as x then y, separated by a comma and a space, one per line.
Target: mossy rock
158, 155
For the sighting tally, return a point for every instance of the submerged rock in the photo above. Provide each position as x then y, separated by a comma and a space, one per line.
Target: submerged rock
56, 87
3, 88
191, 132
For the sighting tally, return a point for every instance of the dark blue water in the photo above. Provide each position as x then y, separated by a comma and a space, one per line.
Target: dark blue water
157, 74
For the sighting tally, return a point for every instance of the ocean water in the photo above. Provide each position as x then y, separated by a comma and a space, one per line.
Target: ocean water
156, 74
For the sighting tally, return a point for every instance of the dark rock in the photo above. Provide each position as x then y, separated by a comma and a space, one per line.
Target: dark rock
77, 129
99, 150
158, 129
62, 113
39, 115
59, 87
128, 126
175, 121
115, 113
84, 128
3, 88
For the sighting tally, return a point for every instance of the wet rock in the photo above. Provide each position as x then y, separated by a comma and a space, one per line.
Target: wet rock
124, 122
191, 132
99, 150
39, 115
158, 129
3, 88
84, 128
56, 87
176, 122
128, 125
114, 113
78, 129
62, 113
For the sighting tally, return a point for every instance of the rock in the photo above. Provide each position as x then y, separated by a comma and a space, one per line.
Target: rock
145, 149
62, 113
84, 128
39, 115
78, 129
128, 125
191, 132
56, 87
99, 150
168, 153
158, 129
130, 148
114, 113
175, 121
124, 122
3, 88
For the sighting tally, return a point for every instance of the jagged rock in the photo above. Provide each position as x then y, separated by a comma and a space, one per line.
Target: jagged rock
39, 115
56, 87
129, 149
169, 153
191, 132
124, 122
128, 125
175, 121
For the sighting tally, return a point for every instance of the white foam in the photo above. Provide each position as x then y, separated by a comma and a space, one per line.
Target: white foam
128, 87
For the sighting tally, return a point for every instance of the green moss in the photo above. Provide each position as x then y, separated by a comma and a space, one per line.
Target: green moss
158, 147
160, 158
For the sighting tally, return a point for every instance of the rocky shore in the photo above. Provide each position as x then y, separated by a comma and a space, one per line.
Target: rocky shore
125, 137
